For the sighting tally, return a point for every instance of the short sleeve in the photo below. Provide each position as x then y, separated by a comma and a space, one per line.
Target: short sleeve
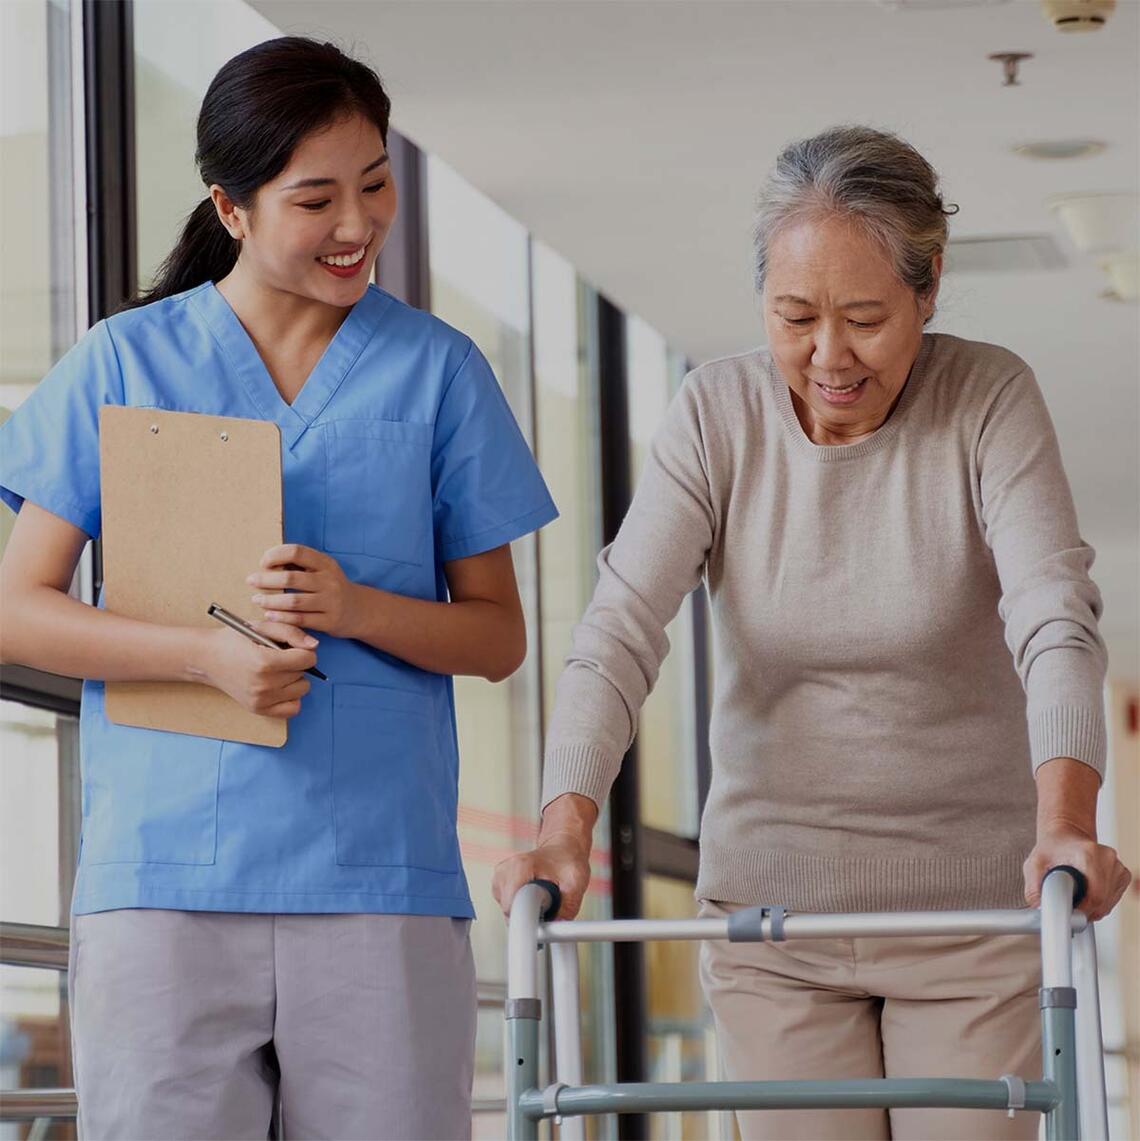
49, 447
486, 487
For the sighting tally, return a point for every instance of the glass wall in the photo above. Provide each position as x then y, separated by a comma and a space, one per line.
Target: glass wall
682, 1042
480, 283
40, 315
179, 45
667, 731
39, 806
38, 295
567, 447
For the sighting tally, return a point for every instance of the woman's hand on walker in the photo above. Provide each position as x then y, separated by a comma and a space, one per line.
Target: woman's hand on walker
562, 856
320, 595
1107, 877
269, 682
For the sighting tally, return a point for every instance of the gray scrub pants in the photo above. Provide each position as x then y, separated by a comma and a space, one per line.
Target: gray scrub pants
191, 1024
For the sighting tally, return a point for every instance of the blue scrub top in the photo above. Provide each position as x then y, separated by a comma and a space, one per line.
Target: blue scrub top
399, 453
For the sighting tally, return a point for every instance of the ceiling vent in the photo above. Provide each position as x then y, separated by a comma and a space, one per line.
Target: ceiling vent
1004, 253
1054, 149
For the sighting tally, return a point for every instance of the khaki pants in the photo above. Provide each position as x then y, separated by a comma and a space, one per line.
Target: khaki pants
191, 1024
963, 1007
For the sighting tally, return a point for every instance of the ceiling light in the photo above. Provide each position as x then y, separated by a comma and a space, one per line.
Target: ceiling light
1107, 225
1100, 223
1078, 15
1123, 276
1060, 148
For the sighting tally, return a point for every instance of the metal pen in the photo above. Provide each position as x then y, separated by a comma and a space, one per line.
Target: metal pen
243, 627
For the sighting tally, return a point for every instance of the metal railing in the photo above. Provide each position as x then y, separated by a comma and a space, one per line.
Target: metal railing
29, 945
37, 1104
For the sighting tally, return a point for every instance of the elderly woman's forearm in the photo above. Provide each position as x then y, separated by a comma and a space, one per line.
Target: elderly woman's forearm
570, 815
1066, 796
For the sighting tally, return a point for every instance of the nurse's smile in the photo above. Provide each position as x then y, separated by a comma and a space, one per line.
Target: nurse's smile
346, 265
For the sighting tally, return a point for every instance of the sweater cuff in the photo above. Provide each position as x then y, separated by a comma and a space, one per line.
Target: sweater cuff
584, 769
1068, 731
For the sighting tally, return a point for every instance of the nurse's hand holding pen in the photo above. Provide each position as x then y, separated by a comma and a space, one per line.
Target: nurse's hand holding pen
269, 682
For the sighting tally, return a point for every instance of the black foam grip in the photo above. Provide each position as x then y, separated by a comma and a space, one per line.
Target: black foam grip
1080, 881
551, 889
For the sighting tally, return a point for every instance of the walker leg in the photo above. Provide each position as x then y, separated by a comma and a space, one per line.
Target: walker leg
1059, 1004
1059, 1065
567, 1029
1090, 1047
522, 1075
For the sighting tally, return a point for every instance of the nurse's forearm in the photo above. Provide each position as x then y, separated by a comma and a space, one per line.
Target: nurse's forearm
473, 636
49, 630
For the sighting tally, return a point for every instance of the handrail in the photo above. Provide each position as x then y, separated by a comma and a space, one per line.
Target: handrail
28, 1104
492, 994
32, 945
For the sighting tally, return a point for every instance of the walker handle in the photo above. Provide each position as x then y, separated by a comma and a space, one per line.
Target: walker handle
551, 888
1080, 880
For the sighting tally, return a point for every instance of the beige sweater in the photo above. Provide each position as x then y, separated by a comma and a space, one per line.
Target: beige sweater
872, 738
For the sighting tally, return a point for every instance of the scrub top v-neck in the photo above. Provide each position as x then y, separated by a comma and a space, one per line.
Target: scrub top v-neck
399, 454
249, 370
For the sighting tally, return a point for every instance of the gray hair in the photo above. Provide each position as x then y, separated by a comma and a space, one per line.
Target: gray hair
869, 176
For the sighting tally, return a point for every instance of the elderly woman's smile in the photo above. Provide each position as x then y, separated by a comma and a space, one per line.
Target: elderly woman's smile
843, 328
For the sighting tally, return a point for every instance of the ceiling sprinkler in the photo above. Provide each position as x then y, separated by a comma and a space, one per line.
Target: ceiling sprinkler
1010, 62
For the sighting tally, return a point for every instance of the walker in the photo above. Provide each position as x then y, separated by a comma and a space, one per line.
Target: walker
1070, 1092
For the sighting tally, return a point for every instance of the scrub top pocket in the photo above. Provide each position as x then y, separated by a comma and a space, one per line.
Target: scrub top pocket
394, 796
378, 498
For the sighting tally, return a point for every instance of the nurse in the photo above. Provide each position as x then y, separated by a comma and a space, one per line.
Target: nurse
253, 924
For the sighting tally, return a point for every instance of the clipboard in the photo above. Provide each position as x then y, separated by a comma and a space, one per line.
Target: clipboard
190, 504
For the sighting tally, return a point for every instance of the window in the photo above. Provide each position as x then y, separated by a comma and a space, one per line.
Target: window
667, 731
479, 274
567, 446
682, 1042
179, 45
39, 810
41, 314
39, 317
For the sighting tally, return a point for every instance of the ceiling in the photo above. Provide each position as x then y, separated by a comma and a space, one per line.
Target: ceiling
631, 136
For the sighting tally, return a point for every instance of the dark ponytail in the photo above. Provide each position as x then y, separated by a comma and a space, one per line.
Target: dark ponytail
258, 108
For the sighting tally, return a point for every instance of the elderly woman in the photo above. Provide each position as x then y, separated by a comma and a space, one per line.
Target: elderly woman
882, 520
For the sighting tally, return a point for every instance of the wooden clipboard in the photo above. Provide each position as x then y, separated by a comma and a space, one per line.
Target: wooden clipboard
190, 504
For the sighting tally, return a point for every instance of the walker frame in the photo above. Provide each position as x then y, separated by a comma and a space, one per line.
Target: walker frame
1070, 1092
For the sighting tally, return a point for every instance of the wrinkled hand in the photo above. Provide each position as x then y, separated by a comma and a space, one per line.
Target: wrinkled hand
1108, 878
561, 858
321, 598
